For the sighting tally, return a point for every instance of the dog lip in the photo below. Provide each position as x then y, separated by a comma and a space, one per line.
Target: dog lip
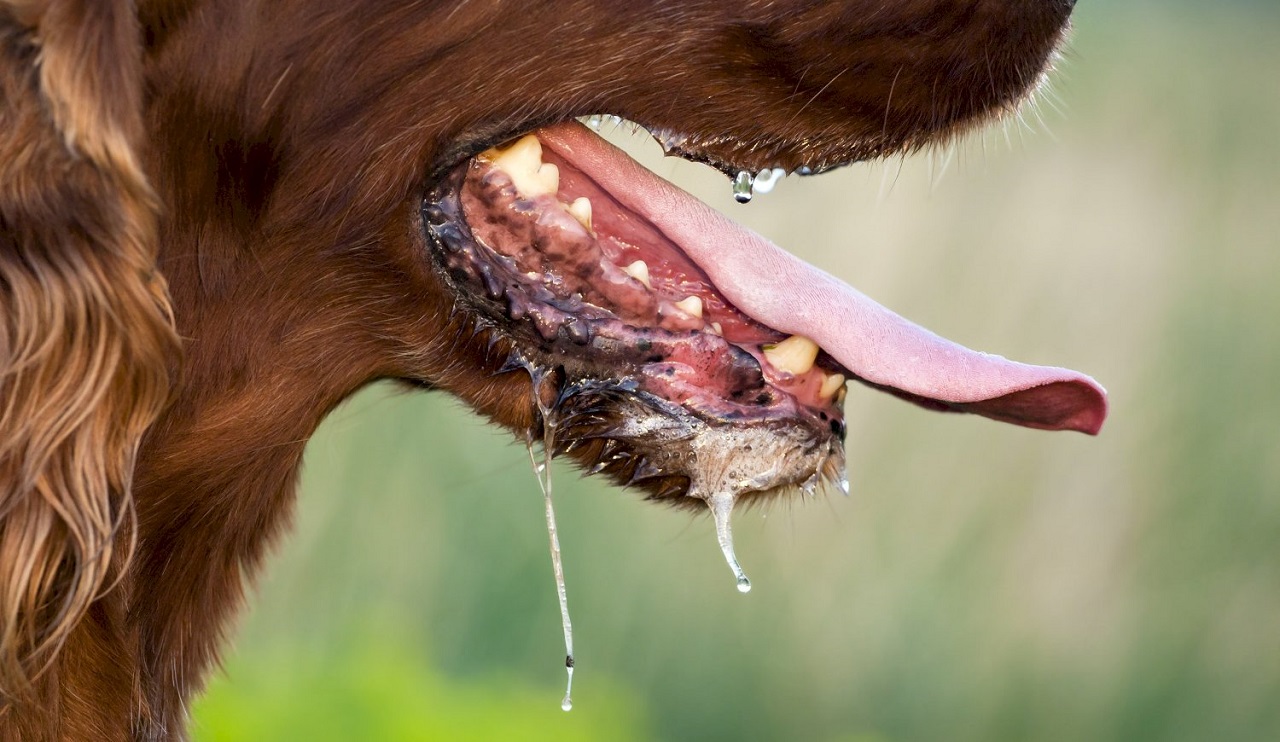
700, 150
697, 149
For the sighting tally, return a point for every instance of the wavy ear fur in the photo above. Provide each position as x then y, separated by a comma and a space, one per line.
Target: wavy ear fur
86, 335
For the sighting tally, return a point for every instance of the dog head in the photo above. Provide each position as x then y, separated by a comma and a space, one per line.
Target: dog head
341, 192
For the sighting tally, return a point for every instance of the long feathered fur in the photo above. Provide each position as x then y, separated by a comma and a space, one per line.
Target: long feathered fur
86, 336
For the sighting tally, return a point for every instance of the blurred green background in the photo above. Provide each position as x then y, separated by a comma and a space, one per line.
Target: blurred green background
983, 582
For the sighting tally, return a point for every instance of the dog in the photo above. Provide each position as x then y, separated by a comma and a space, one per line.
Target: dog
221, 218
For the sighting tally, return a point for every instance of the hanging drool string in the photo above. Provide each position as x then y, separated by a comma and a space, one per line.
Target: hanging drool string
542, 470
721, 505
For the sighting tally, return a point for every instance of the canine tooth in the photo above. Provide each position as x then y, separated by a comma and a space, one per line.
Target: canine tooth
639, 270
690, 305
580, 209
549, 176
795, 355
831, 383
522, 162
523, 156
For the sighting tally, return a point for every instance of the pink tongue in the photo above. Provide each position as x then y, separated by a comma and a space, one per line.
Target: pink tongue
789, 295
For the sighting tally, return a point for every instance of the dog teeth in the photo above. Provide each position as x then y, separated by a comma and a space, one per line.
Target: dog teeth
522, 162
691, 305
717, 329
639, 270
550, 176
795, 355
831, 383
580, 209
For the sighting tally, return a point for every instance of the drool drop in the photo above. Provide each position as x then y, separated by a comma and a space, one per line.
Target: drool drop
766, 179
743, 186
721, 509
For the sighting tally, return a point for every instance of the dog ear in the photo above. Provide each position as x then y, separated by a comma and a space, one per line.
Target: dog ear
86, 333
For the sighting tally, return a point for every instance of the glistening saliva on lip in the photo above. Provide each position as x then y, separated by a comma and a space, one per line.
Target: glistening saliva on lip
745, 183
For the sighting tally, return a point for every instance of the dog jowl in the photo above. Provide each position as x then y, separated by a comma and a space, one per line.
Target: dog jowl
220, 218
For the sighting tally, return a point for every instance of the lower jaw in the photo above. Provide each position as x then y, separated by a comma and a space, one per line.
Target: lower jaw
641, 440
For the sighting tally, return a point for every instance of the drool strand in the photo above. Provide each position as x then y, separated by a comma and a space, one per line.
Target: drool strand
721, 505
542, 470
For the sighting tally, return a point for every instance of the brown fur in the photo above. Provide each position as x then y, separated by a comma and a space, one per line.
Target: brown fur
267, 159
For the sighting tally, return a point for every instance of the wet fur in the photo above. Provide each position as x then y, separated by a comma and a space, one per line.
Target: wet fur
245, 177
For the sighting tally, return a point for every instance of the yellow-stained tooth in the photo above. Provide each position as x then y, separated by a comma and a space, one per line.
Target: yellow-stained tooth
522, 162
690, 305
580, 209
795, 355
831, 384
639, 270
717, 329
524, 155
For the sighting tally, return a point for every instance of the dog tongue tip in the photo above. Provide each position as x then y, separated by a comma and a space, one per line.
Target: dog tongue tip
1072, 402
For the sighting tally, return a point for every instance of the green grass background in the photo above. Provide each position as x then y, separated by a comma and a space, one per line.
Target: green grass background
983, 582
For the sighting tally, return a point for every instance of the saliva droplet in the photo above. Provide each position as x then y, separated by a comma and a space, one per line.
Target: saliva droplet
743, 186
567, 703
721, 509
766, 179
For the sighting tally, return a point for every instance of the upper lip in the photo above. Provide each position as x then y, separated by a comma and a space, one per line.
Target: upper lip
700, 148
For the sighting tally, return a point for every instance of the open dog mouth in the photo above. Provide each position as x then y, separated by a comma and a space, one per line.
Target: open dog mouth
692, 356
688, 355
